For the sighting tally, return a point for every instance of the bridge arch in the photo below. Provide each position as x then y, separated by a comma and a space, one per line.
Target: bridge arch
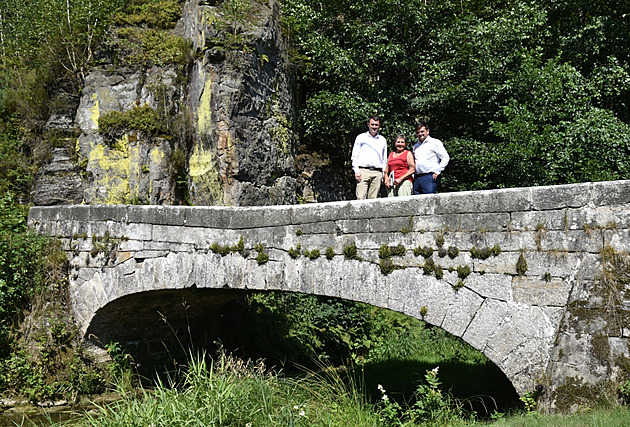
508, 266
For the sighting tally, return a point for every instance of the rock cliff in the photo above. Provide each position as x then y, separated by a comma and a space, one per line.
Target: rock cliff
226, 137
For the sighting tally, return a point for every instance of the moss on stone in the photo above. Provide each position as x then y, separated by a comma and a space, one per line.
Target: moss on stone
574, 392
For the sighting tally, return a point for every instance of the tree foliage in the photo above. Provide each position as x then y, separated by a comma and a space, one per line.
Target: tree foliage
521, 93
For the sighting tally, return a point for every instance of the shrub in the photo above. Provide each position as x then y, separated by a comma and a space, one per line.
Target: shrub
144, 118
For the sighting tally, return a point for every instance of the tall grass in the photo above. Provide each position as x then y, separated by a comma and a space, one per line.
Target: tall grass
231, 392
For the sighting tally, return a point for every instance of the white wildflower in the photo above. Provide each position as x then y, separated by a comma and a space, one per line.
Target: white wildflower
302, 413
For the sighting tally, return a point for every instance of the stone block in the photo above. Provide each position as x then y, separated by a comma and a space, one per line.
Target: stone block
437, 223
611, 193
320, 227
213, 216
538, 291
560, 220
496, 286
352, 226
485, 221
504, 200
560, 196
571, 241
116, 213
462, 308
619, 240
489, 318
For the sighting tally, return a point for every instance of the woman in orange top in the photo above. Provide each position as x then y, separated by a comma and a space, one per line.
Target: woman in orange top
401, 163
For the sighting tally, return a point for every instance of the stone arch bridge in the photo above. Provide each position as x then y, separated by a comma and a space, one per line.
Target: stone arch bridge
525, 275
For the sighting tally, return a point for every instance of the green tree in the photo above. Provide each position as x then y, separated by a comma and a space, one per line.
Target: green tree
512, 88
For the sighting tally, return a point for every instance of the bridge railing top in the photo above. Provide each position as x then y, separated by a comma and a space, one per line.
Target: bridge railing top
542, 198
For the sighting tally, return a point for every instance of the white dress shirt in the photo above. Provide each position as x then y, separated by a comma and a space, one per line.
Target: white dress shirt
430, 156
369, 152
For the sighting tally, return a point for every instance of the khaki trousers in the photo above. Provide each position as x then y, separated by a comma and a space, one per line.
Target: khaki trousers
370, 184
405, 188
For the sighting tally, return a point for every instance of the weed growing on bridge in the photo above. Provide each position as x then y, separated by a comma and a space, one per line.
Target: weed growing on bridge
521, 265
438, 271
409, 227
350, 251
457, 286
299, 232
239, 247
453, 252
439, 240
541, 231
425, 251
463, 271
222, 250
546, 277
429, 266
106, 244
486, 252
295, 253
423, 311
262, 256
386, 251
386, 265
313, 254
330, 253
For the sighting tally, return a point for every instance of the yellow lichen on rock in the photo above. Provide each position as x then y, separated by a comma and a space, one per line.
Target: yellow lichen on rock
95, 111
118, 169
203, 173
204, 113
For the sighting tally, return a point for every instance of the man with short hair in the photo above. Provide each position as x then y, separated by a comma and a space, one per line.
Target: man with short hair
431, 159
369, 158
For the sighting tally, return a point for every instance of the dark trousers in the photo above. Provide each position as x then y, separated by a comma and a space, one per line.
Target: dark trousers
424, 184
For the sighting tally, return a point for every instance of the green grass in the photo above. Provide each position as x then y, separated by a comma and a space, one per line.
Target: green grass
230, 392
618, 416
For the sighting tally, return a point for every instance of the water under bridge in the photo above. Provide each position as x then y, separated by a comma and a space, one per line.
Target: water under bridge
524, 275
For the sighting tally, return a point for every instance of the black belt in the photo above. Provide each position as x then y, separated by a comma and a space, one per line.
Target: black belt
371, 168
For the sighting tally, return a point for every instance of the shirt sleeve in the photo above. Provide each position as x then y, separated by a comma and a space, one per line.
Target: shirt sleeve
355, 155
384, 155
442, 155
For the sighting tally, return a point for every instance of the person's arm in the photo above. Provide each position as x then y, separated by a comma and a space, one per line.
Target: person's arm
354, 158
386, 174
442, 156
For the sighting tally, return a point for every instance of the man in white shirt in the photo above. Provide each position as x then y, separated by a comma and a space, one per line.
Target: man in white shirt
369, 158
431, 159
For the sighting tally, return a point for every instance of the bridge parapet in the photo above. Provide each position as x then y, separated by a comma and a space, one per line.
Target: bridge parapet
511, 271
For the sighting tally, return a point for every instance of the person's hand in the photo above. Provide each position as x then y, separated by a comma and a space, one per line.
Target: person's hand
386, 182
435, 177
357, 175
396, 182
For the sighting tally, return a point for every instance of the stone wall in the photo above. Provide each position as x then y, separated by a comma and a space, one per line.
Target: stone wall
517, 273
